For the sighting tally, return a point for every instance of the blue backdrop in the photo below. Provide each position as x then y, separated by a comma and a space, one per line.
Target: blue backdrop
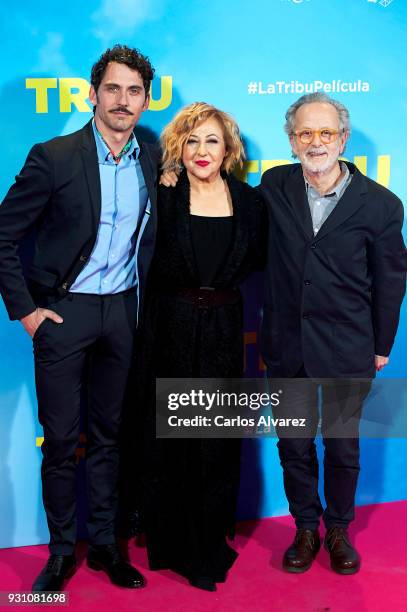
251, 59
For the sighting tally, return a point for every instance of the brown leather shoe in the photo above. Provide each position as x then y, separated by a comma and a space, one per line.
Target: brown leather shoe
344, 558
300, 555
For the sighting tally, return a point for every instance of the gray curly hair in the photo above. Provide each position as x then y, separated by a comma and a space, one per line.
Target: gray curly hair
343, 113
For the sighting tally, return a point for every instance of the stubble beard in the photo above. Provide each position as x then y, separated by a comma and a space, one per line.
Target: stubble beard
318, 169
120, 124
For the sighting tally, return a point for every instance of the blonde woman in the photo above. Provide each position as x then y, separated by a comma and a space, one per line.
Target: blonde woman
211, 235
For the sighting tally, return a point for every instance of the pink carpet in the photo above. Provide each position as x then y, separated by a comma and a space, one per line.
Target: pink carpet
256, 582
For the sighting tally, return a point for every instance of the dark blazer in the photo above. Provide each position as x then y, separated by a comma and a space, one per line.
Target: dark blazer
58, 193
333, 300
176, 338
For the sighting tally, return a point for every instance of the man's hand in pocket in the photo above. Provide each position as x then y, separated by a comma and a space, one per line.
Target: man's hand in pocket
32, 321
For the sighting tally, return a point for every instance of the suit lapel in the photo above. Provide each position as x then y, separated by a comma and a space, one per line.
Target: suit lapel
297, 200
351, 200
91, 165
149, 172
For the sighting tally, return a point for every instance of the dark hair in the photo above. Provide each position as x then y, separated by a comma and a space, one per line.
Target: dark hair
123, 55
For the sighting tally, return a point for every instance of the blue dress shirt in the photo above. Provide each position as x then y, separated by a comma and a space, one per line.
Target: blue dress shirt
112, 265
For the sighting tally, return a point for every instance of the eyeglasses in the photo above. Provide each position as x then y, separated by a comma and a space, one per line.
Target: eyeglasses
325, 135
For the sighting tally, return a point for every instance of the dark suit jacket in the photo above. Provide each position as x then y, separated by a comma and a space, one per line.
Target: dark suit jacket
58, 191
333, 300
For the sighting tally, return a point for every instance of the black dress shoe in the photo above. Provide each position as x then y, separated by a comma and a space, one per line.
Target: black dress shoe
201, 582
344, 557
109, 559
58, 569
299, 556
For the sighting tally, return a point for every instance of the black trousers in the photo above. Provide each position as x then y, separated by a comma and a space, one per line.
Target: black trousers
96, 336
341, 408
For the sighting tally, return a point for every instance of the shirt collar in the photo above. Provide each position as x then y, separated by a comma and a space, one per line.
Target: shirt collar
103, 151
337, 190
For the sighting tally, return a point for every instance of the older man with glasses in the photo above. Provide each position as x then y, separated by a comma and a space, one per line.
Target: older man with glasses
334, 286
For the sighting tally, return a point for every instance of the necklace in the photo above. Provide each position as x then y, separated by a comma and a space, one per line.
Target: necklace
125, 149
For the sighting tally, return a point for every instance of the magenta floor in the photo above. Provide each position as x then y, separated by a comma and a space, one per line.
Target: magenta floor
256, 582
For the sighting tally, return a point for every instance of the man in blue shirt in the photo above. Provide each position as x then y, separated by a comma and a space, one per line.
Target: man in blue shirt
91, 196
